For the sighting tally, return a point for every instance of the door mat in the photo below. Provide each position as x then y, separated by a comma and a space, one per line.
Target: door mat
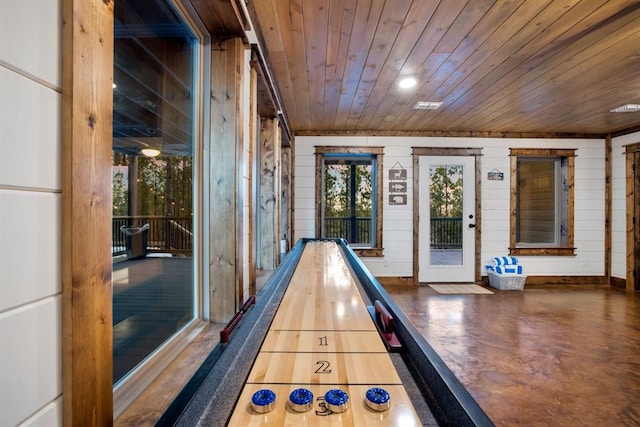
460, 289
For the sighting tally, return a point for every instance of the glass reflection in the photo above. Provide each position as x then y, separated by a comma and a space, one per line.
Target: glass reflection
152, 238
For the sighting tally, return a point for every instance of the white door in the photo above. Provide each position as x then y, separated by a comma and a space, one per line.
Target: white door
446, 228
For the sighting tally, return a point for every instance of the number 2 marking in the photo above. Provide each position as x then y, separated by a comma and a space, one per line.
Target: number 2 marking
323, 368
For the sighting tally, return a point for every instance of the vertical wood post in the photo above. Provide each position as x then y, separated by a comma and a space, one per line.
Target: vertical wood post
253, 182
608, 186
225, 215
87, 78
285, 194
269, 194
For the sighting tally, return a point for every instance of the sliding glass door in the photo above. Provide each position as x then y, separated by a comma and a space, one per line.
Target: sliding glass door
153, 180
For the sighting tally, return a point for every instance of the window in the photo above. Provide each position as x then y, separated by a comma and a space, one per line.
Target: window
542, 202
349, 199
154, 294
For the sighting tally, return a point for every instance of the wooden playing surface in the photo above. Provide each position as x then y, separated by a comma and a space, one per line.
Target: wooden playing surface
322, 337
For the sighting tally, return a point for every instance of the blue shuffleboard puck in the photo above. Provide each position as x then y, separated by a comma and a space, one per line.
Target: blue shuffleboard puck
378, 399
263, 401
301, 400
337, 400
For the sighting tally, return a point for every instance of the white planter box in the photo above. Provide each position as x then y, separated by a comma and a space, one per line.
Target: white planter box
513, 282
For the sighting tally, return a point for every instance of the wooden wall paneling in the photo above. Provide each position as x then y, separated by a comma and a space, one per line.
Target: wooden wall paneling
87, 106
225, 214
269, 219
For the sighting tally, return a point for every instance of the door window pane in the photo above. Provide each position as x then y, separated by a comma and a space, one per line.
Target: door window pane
445, 210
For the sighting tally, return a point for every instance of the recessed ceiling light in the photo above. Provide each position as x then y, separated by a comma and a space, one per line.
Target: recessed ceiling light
150, 152
427, 105
407, 82
628, 108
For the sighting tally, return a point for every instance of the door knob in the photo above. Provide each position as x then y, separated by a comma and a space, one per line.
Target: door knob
472, 226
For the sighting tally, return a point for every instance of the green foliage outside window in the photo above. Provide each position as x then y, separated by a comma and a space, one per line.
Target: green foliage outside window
339, 199
164, 186
446, 191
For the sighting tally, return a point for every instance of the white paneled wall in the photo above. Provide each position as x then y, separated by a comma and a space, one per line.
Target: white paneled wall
30, 248
30, 38
30, 123
30, 186
619, 204
398, 220
33, 353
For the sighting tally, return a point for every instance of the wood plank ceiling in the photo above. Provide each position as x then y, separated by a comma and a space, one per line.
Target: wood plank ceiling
497, 66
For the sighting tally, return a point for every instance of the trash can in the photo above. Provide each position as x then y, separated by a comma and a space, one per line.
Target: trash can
136, 241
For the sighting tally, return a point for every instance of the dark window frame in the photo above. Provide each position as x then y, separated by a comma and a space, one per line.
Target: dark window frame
565, 248
376, 249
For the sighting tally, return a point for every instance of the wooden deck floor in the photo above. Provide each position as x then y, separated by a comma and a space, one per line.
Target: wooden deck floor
545, 356
152, 299
151, 404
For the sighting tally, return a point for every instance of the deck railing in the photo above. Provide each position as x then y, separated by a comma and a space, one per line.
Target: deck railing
446, 233
166, 234
175, 235
355, 230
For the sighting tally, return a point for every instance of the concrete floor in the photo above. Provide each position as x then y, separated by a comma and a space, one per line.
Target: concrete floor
544, 356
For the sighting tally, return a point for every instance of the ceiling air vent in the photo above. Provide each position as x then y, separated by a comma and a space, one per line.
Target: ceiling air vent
628, 108
426, 105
